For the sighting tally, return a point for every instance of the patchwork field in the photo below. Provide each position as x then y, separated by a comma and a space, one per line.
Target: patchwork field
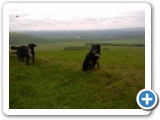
56, 80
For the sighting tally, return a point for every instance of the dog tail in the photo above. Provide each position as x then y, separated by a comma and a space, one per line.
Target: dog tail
14, 48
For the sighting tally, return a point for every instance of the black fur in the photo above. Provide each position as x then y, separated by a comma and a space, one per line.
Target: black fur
25, 51
92, 57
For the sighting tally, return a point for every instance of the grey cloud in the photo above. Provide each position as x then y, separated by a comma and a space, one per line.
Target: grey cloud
27, 21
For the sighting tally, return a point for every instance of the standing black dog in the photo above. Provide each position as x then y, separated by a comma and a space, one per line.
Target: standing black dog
92, 57
25, 51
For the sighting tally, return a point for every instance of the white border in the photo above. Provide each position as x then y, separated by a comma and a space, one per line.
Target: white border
8, 111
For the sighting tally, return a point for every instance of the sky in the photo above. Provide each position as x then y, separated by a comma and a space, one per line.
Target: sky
75, 16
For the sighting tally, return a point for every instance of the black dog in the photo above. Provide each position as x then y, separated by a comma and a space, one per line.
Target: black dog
96, 49
92, 58
25, 51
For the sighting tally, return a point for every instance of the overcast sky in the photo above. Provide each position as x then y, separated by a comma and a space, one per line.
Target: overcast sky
76, 16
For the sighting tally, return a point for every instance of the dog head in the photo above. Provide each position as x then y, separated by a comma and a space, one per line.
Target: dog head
96, 49
31, 46
13, 48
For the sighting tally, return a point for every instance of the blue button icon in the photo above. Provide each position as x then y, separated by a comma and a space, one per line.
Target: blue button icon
147, 99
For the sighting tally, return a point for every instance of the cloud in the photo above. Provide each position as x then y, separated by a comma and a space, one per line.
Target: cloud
75, 20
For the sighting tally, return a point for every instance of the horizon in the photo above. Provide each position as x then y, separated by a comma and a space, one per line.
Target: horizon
77, 30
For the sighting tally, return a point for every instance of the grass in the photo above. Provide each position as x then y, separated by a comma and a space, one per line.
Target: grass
56, 80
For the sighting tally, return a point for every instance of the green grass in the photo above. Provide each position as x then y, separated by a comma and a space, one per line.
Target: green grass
56, 80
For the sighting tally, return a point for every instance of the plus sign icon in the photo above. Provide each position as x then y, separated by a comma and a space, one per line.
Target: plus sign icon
147, 99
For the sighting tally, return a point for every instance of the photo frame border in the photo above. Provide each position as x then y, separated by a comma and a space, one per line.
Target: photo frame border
5, 59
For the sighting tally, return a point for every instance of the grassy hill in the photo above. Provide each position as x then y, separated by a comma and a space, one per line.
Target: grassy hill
86, 36
56, 80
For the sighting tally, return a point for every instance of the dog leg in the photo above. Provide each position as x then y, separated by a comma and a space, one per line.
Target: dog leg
91, 67
27, 59
33, 58
98, 65
19, 58
22, 59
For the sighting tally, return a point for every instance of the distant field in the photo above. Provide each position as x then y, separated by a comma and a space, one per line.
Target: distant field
56, 80
61, 45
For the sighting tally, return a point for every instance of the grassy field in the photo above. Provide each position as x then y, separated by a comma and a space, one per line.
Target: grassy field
56, 80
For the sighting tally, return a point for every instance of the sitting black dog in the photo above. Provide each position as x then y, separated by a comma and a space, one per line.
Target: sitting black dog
92, 57
25, 51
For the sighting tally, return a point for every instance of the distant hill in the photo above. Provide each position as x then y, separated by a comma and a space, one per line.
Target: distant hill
50, 36
128, 33
21, 38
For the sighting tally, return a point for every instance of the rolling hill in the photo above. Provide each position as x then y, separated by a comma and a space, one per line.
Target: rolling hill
59, 36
